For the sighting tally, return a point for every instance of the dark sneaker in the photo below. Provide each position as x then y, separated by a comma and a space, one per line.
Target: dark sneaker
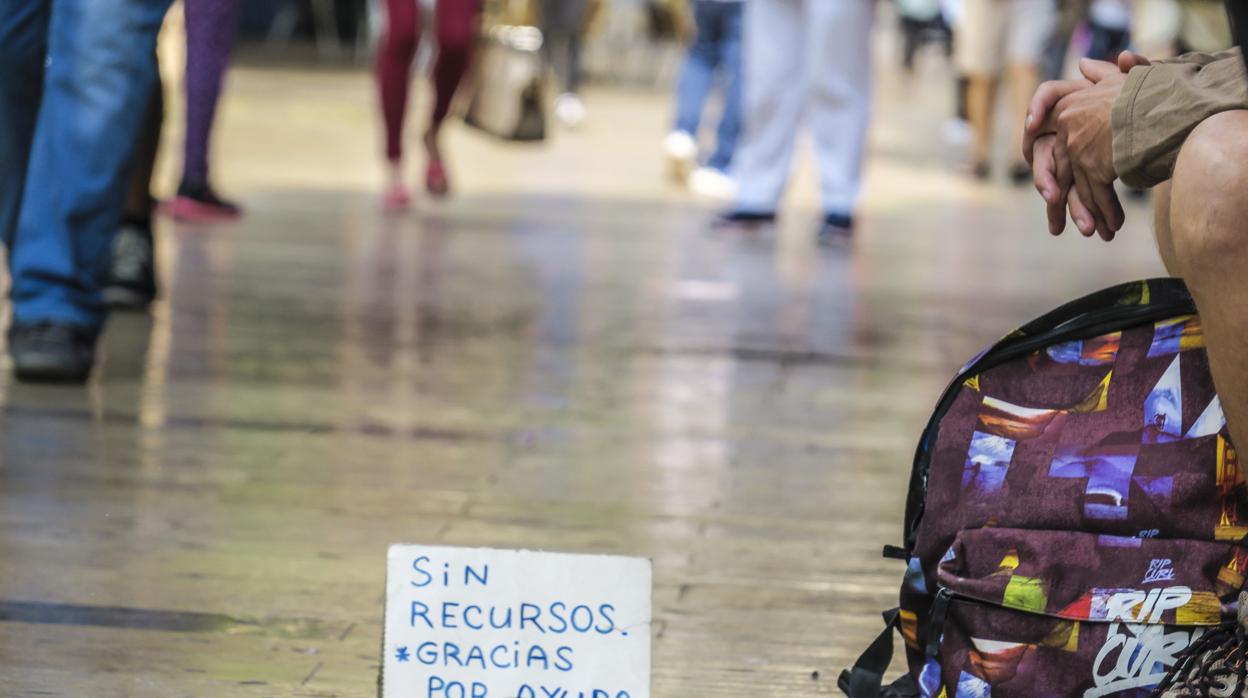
1214, 664
835, 230
198, 202
744, 221
131, 282
51, 352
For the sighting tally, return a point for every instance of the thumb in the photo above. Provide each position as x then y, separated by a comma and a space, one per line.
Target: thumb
1097, 71
1130, 59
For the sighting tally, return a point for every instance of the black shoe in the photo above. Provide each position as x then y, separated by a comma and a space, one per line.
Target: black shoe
196, 201
51, 352
979, 169
744, 221
1020, 174
131, 282
835, 230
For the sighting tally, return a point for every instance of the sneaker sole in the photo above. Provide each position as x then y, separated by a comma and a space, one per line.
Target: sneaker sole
35, 371
184, 209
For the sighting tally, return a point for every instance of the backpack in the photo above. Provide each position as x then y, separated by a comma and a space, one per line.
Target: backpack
1076, 511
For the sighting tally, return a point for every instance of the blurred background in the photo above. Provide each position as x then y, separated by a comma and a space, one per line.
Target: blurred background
580, 313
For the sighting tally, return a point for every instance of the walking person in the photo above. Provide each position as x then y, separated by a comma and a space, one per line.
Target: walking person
455, 30
715, 54
77, 78
803, 58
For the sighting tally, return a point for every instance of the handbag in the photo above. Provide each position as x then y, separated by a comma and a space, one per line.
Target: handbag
507, 94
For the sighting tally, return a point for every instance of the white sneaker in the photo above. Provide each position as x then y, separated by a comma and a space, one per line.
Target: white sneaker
682, 152
569, 110
713, 184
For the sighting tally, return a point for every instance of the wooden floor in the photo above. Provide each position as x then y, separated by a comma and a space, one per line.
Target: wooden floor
560, 357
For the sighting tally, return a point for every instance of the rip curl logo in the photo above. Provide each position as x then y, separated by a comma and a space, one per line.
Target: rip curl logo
1138, 650
1159, 570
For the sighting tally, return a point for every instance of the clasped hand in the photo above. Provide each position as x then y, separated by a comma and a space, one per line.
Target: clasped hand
1068, 141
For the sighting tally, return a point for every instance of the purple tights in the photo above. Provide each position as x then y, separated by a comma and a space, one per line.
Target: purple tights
210, 29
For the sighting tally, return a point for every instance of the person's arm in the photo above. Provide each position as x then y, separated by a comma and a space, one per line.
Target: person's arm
1161, 103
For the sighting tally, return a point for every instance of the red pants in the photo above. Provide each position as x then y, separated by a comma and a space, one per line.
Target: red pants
456, 32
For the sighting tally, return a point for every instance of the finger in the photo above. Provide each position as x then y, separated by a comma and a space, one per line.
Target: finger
1110, 207
1097, 71
1045, 179
1043, 169
1084, 187
1082, 217
1130, 59
1062, 168
1046, 96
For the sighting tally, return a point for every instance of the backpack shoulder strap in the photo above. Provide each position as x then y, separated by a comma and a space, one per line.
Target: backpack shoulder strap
866, 678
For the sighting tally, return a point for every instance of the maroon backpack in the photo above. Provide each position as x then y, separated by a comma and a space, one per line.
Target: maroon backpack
1076, 511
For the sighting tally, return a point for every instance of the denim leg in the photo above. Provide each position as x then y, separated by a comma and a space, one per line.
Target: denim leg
698, 74
23, 46
730, 72
97, 83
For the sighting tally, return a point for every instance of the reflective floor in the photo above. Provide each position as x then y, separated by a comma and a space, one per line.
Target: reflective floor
559, 357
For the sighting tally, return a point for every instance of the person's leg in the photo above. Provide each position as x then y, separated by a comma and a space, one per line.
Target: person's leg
456, 35
97, 85
576, 32
131, 280
838, 71
1161, 228
210, 29
395, 54
23, 47
981, 95
698, 73
557, 37
99, 77
1208, 248
1032, 23
773, 99
980, 46
139, 202
562, 24
730, 68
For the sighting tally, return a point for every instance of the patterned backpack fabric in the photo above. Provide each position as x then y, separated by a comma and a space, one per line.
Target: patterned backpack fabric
1076, 511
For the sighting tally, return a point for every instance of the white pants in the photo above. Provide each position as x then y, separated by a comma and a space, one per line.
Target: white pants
812, 57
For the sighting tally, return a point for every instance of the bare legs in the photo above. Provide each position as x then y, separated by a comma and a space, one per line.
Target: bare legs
981, 97
1202, 233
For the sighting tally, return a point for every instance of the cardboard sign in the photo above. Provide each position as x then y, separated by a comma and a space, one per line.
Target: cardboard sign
480, 623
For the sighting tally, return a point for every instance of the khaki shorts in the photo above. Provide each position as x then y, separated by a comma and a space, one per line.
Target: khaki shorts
993, 34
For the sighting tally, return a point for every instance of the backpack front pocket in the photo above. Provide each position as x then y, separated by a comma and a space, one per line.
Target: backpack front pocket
1059, 613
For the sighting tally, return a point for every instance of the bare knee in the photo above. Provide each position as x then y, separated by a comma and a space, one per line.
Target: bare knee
1208, 219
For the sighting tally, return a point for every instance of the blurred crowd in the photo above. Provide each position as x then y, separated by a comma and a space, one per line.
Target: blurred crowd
81, 111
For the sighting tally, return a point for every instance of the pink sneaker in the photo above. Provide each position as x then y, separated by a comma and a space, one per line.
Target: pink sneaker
201, 204
396, 199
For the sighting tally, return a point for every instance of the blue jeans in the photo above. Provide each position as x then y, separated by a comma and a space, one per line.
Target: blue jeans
75, 79
717, 47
